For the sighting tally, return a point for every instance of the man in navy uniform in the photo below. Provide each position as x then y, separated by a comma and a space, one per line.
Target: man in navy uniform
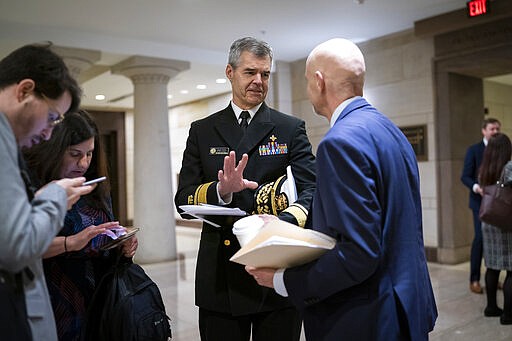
228, 154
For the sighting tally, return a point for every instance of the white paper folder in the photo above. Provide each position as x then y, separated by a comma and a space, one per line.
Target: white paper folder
282, 245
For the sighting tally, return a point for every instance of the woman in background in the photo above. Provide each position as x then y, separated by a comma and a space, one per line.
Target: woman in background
74, 263
497, 242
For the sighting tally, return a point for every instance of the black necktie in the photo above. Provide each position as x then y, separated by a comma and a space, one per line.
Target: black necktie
244, 115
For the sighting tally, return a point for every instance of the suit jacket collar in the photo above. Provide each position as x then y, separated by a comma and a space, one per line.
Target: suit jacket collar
230, 131
354, 105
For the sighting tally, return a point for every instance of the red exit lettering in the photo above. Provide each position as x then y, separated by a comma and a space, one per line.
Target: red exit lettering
477, 7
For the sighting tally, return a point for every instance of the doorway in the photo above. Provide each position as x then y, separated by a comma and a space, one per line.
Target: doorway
463, 58
111, 127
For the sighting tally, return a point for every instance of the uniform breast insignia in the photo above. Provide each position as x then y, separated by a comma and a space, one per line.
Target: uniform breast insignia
219, 150
273, 148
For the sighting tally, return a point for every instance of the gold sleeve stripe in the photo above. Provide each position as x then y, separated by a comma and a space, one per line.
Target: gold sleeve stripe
200, 194
299, 212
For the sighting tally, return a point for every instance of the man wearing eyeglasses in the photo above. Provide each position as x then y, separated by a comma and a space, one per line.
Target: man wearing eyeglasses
36, 90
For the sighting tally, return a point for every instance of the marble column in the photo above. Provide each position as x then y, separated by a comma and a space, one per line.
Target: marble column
280, 90
153, 194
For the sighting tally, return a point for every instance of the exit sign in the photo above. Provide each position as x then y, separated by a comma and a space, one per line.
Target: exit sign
477, 7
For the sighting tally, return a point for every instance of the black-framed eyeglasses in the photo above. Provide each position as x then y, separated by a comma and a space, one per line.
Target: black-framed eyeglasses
54, 116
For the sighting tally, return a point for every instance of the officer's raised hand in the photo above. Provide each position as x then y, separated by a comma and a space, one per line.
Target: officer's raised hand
231, 178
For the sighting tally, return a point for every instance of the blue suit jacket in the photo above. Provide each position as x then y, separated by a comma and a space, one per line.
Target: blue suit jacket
374, 284
472, 162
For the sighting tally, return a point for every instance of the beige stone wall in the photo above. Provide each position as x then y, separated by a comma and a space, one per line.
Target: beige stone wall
498, 101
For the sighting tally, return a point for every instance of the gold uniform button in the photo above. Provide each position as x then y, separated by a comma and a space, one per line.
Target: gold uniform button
227, 242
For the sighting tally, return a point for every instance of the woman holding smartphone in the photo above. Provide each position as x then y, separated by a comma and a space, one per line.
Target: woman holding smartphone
74, 263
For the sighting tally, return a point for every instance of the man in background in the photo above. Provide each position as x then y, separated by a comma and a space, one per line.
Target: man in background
469, 178
36, 90
246, 140
374, 284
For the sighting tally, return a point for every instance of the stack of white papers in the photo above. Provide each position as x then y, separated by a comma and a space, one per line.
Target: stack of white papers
202, 210
206, 209
282, 245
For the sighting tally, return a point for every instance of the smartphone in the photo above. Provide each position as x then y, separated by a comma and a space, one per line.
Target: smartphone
90, 182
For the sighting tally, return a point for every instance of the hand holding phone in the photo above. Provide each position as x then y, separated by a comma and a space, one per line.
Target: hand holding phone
90, 182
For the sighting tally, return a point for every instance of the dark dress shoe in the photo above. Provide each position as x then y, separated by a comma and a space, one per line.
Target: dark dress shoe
506, 318
491, 312
476, 288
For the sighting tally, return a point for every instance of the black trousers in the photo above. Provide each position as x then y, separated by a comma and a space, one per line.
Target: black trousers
13, 313
279, 325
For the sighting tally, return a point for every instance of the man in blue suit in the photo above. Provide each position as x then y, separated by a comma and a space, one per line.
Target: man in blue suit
374, 284
469, 178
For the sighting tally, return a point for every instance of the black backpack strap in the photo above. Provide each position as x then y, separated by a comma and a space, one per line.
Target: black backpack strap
27, 176
31, 190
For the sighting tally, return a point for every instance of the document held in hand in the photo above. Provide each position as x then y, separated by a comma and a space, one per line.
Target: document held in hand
279, 244
202, 210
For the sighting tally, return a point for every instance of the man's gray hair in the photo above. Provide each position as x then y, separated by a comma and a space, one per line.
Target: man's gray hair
257, 47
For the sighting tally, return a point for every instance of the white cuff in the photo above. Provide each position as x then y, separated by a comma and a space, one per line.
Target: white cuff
475, 188
278, 281
222, 202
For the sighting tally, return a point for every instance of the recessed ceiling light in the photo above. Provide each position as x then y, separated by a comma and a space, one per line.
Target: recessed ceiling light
184, 92
201, 87
169, 96
99, 97
220, 80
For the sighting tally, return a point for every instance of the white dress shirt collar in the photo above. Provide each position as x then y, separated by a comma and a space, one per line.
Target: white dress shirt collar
252, 111
337, 112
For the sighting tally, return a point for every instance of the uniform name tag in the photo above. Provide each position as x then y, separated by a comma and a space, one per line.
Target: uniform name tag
219, 150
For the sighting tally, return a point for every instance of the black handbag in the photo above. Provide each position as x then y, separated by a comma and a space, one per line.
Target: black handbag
496, 206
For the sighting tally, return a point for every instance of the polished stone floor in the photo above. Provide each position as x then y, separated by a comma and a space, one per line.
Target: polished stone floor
460, 312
